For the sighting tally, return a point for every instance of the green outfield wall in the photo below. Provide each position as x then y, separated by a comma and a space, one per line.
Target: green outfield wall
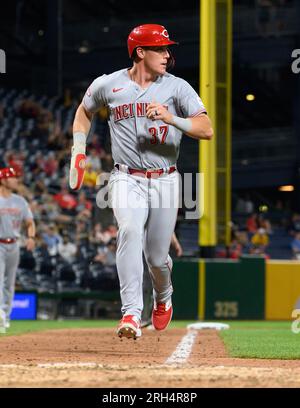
248, 288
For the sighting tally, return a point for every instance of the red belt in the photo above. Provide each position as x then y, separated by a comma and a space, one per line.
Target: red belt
150, 173
7, 240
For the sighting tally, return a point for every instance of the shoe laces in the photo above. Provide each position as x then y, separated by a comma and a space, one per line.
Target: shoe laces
160, 309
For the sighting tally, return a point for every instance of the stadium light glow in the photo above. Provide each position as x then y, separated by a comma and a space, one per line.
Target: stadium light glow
250, 97
286, 188
84, 47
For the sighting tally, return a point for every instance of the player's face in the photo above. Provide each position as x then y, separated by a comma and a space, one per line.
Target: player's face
156, 59
11, 183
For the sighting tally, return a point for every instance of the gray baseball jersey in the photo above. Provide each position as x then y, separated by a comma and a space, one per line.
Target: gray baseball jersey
13, 210
136, 140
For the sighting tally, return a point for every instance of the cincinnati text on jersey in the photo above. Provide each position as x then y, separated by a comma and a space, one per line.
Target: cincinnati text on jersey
130, 110
10, 211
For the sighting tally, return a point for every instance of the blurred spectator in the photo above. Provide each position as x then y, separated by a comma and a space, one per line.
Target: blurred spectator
110, 232
235, 249
69, 133
24, 191
39, 187
251, 223
43, 126
15, 160
50, 165
55, 138
94, 160
296, 246
82, 233
90, 176
97, 236
259, 241
84, 206
106, 255
52, 239
294, 227
28, 109
36, 209
67, 249
244, 205
264, 223
66, 201
249, 205
242, 238
96, 145
106, 158
239, 241
51, 210
37, 167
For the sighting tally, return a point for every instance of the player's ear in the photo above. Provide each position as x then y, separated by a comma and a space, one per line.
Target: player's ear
140, 52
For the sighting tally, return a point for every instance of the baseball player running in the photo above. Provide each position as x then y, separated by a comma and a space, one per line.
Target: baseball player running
149, 110
14, 210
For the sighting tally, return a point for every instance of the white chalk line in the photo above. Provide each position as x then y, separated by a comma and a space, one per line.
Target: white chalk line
69, 365
54, 365
183, 350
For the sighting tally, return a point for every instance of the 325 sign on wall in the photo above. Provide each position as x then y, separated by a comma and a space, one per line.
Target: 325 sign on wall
226, 309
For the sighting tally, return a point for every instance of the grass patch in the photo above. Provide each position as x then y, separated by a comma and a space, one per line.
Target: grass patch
28, 326
273, 340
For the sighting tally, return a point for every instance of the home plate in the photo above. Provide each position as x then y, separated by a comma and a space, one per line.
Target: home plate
207, 325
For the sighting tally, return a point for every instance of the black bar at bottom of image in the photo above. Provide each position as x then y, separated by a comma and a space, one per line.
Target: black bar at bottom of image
101, 397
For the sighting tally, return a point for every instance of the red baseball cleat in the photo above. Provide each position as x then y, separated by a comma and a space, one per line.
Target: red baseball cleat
130, 327
162, 315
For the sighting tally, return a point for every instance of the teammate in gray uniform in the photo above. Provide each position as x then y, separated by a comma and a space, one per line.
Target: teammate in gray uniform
14, 210
149, 111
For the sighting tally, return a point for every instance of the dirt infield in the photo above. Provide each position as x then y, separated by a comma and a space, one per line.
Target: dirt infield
97, 358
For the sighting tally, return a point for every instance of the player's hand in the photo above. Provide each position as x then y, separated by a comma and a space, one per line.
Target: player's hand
155, 111
30, 244
78, 162
178, 250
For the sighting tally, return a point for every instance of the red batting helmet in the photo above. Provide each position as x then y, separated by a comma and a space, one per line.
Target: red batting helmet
7, 172
148, 35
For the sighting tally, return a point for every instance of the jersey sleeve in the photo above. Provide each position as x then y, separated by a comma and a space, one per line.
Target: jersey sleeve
26, 211
188, 101
94, 97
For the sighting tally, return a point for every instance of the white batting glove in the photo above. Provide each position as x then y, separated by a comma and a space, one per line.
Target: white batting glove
78, 162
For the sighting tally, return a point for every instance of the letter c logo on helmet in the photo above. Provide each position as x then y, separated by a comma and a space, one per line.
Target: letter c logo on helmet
165, 33
148, 35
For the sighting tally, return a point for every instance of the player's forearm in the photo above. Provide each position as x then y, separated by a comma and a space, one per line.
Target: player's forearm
197, 128
31, 230
82, 122
81, 128
202, 128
